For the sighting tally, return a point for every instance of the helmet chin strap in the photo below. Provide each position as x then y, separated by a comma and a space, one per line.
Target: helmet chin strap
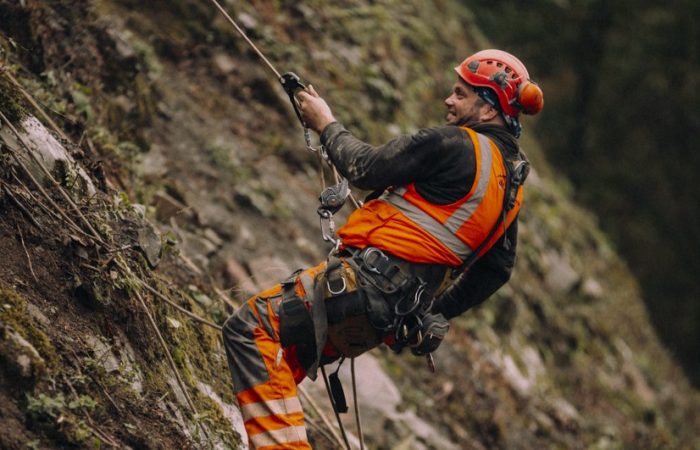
513, 125
490, 97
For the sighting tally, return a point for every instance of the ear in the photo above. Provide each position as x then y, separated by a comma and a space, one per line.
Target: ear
487, 113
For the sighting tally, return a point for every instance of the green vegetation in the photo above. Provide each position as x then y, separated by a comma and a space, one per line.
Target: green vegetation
622, 109
13, 312
10, 103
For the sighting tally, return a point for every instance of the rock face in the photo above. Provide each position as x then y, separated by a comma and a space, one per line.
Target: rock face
19, 356
185, 122
383, 420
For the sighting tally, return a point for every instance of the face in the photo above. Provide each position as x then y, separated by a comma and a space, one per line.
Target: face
464, 107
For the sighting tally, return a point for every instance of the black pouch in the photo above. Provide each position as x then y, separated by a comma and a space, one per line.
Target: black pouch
296, 325
349, 328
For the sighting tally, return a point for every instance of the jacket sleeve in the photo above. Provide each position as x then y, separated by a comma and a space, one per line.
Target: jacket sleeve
486, 276
400, 161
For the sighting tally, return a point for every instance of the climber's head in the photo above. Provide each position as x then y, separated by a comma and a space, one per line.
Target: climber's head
493, 86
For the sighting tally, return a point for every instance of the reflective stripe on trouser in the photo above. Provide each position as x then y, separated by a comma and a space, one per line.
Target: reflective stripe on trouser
265, 376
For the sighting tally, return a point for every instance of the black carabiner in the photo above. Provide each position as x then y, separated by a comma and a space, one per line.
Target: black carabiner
292, 84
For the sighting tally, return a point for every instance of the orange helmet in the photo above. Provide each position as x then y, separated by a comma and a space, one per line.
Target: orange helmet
507, 77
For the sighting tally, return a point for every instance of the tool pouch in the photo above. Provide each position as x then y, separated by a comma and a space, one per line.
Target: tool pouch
296, 324
349, 328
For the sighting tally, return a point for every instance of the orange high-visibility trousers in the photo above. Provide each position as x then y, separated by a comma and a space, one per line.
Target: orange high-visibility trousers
265, 375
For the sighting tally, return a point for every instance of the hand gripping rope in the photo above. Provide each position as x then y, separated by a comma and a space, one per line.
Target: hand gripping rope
332, 198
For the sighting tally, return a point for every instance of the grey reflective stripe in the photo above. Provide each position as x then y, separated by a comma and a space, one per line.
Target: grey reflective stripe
466, 210
271, 407
261, 306
426, 222
447, 232
278, 437
244, 358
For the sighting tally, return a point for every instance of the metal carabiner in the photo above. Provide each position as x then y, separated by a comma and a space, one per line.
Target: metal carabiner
327, 226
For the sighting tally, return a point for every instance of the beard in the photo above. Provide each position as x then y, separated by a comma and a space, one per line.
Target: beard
463, 121
469, 118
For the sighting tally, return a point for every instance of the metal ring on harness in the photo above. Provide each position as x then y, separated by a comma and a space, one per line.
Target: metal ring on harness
412, 336
340, 291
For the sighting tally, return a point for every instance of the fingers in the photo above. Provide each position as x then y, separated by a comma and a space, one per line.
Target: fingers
309, 91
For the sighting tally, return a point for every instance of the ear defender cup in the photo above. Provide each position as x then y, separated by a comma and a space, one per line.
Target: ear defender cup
530, 98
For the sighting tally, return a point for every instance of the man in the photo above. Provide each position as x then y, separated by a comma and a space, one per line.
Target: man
436, 238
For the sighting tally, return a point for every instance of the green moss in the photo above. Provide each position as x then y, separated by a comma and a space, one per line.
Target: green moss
13, 312
211, 415
10, 103
190, 341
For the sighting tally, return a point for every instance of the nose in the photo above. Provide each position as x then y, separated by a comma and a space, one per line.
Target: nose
449, 100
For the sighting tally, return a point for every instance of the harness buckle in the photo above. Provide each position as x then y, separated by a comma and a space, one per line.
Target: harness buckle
369, 265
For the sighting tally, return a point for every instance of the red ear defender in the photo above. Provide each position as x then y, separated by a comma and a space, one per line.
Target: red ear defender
530, 98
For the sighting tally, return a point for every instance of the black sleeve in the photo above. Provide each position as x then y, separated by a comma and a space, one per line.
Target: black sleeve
485, 277
412, 158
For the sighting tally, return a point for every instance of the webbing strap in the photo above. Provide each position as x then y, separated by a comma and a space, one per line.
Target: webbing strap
296, 324
319, 318
301, 328
383, 273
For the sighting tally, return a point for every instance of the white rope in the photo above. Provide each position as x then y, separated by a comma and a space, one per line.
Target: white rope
356, 406
242, 33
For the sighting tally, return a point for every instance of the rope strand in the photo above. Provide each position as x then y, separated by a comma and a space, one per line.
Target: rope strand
242, 33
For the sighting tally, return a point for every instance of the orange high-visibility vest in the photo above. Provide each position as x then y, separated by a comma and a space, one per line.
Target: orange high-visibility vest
408, 226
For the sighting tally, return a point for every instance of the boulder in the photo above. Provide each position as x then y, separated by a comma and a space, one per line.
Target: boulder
381, 408
38, 147
18, 356
560, 277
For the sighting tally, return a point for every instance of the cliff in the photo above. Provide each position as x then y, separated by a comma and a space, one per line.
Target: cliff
153, 176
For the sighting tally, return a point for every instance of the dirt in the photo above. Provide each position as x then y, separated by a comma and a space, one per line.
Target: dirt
42, 273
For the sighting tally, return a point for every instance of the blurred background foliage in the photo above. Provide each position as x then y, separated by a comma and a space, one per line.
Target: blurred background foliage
622, 95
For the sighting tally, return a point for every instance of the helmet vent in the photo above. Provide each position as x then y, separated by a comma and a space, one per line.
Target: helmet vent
473, 66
